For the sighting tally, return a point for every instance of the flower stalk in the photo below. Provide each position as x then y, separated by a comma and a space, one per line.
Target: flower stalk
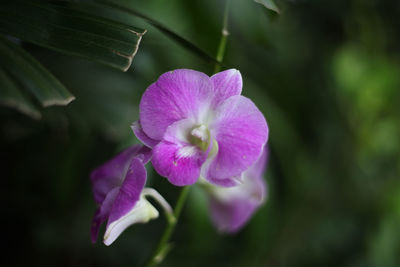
224, 37
169, 213
164, 246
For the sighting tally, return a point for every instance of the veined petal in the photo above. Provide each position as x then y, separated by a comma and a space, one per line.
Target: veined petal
102, 213
231, 208
142, 136
141, 212
227, 182
130, 190
179, 163
258, 168
226, 84
112, 173
176, 95
230, 217
175, 158
241, 132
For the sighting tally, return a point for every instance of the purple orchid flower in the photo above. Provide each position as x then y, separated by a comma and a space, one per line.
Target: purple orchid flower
200, 126
231, 208
118, 189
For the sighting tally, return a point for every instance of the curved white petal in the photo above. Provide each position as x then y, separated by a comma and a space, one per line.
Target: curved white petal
142, 212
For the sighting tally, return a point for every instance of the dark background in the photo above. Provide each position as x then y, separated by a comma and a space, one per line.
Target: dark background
326, 74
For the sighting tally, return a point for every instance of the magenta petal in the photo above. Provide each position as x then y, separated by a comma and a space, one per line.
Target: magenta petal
231, 208
258, 168
130, 190
112, 173
142, 136
103, 212
226, 182
180, 164
97, 221
175, 158
226, 84
176, 95
230, 217
241, 132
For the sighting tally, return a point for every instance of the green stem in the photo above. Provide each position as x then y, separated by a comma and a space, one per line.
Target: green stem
224, 37
163, 246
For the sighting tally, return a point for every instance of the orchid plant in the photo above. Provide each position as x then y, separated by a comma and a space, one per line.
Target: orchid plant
195, 130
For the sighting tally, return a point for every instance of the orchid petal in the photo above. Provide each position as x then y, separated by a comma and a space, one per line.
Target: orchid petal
130, 190
226, 84
258, 168
181, 165
142, 136
175, 158
142, 212
230, 217
227, 182
112, 173
241, 132
102, 213
176, 95
231, 208
224, 182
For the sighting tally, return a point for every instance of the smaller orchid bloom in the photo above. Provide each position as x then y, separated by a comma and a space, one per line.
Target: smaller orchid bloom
231, 208
200, 126
118, 189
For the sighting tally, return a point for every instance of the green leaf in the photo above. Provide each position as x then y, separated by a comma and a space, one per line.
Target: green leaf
11, 96
32, 75
62, 27
269, 4
168, 32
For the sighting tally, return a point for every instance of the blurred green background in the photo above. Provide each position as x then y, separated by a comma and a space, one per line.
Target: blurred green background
326, 74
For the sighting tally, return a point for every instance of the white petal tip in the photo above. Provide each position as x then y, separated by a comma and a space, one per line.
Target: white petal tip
142, 212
